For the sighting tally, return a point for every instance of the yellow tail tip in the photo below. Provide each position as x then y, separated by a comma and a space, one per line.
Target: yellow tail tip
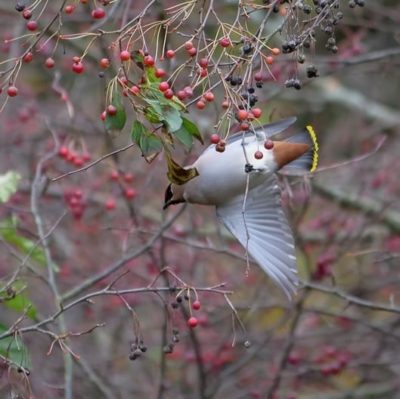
314, 139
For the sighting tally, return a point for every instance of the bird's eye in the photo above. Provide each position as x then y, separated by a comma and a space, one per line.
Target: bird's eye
168, 194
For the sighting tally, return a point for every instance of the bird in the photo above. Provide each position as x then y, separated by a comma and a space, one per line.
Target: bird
243, 186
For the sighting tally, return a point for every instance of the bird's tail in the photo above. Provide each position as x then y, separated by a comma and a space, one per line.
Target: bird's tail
308, 162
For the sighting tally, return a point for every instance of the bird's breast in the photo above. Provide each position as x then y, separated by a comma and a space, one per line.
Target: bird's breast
222, 176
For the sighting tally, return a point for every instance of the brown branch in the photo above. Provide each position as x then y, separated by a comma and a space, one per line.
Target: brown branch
89, 165
367, 205
353, 300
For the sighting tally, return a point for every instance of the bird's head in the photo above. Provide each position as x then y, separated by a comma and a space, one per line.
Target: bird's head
173, 195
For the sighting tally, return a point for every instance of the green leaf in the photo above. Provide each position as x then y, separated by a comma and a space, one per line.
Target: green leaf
138, 129
148, 142
150, 72
152, 115
14, 350
8, 185
152, 95
173, 119
20, 303
138, 58
192, 129
8, 231
178, 175
186, 133
117, 121
184, 137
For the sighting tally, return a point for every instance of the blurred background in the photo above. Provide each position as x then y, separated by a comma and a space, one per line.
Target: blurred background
338, 339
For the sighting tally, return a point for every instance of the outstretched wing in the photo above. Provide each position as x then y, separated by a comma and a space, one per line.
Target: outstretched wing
264, 231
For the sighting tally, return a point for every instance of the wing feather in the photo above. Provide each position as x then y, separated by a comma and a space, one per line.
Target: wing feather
264, 231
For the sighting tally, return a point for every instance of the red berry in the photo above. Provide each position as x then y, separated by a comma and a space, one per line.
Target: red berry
123, 81
244, 126
181, 94
224, 42
242, 114
130, 193
209, 96
170, 54
160, 73
103, 116
28, 57
258, 76
268, 144
215, 138
200, 104
76, 59
49, 63
275, 51
168, 94
203, 72
114, 175
163, 86
148, 60
104, 63
63, 151
203, 62
27, 14
258, 155
294, 358
192, 51
12, 91
188, 45
256, 112
134, 90
192, 322
69, 9
98, 13
125, 55
269, 60
78, 161
110, 204
78, 67
225, 104
128, 177
32, 25
188, 91
196, 305
112, 110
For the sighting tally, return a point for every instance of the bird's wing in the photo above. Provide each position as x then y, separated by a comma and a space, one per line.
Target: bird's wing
265, 131
264, 231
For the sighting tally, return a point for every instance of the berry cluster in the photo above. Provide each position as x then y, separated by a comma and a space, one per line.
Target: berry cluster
75, 201
74, 156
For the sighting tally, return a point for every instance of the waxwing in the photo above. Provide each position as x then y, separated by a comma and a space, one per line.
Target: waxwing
241, 182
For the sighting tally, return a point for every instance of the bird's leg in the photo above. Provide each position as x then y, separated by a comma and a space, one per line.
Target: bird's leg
248, 168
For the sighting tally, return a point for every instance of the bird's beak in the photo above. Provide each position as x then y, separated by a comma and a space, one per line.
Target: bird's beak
166, 205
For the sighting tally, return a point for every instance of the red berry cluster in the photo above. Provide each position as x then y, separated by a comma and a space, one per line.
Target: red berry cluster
192, 322
332, 360
125, 179
75, 202
324, 266
73, 156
